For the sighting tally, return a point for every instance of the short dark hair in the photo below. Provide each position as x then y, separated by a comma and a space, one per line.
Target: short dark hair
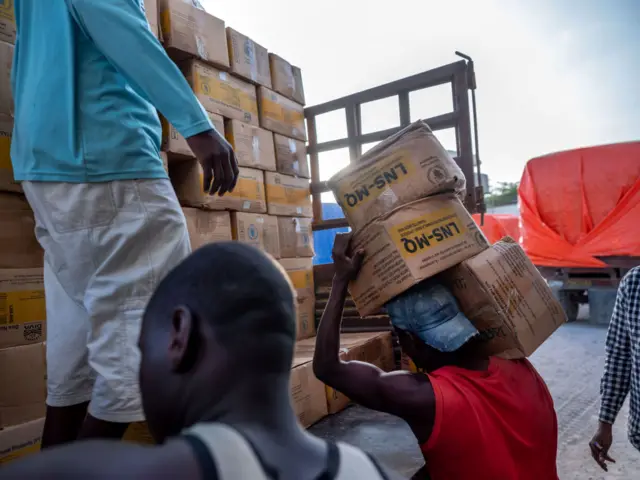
243, 294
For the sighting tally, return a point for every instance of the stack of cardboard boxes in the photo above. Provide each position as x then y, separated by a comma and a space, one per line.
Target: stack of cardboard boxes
256, 98
401, 199
22, 305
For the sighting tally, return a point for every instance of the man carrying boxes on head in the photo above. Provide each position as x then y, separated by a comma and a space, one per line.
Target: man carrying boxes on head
86, 78
474, 415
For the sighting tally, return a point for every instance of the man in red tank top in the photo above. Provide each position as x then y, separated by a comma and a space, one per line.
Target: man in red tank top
475, 417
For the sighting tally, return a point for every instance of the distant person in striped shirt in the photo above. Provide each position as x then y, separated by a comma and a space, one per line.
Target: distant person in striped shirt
621, 370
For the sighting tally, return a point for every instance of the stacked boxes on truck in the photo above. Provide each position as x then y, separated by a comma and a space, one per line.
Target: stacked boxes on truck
270, 207
261, 114
256, 100
22, 304
401, 199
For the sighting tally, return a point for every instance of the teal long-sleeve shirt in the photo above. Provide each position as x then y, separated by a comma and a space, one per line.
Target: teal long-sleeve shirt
86, 77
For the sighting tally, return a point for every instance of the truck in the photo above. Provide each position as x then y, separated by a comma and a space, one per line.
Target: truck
579, 213
460, 76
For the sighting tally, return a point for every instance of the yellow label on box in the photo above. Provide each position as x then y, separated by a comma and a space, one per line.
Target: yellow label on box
301, 279
434, 229
220, 89
376, 180
19, 451
280, 113
7, 11
5, 152
22, 307
139, 433
165, 21
284, 195
246, 188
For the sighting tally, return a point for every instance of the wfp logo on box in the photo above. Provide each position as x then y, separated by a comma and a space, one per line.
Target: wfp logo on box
253, 232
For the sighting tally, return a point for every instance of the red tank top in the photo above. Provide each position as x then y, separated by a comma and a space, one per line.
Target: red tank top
499, 424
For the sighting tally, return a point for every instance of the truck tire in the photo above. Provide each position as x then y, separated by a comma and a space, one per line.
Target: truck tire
570, 304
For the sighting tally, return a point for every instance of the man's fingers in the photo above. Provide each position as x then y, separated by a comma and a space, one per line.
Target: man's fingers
358, 258
600, 455
236, 170
227, 182
207, 178
341, 243
218, 177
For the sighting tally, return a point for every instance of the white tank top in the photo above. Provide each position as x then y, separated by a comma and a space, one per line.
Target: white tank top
231, 457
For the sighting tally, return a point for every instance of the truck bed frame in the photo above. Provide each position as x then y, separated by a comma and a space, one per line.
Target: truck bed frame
461, 76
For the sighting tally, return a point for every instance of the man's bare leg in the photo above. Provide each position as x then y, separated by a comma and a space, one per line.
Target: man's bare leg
63, 424
95, 428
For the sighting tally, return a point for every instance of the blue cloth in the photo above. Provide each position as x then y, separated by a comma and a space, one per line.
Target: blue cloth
430, 311
86, 77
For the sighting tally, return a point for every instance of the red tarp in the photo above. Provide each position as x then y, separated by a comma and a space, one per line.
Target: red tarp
580, 204
497, 226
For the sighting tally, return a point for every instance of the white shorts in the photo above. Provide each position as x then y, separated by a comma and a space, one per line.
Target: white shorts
107, 246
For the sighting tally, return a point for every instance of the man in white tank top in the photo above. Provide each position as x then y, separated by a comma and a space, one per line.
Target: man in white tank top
217, 344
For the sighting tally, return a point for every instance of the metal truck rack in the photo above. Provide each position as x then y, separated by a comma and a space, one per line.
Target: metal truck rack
460, 76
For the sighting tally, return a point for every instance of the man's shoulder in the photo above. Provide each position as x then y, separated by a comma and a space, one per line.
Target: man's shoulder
633, 275
630, 285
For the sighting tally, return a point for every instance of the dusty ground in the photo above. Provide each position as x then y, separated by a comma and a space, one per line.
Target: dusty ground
571, 363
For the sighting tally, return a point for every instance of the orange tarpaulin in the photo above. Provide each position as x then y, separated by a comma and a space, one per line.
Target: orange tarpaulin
497, 226
581, 204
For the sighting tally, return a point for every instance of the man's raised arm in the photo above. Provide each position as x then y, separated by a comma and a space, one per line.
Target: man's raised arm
120, 30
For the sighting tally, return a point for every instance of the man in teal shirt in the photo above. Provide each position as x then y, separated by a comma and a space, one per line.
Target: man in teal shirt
87, 78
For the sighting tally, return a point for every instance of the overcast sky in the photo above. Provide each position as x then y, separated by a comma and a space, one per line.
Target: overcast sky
552, 75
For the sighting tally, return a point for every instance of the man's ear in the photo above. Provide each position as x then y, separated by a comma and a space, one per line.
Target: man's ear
184, 342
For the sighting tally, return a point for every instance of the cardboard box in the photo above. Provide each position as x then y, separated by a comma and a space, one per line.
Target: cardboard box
189, 31
411, 244
289, 196
206, 226
6, 64
300, 271
281, 115
23, 311
296, 237
286, 78
248, 196
23, 379
375, 348
7, 22
176, 144
258, 230
18, 245
152, 12
253, 145
507, 299
248, 59
138, 432
7, 181
221, 93
405, 167
307, 392
291, 156
21, 440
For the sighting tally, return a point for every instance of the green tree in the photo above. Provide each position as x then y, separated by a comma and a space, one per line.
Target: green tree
505, 193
